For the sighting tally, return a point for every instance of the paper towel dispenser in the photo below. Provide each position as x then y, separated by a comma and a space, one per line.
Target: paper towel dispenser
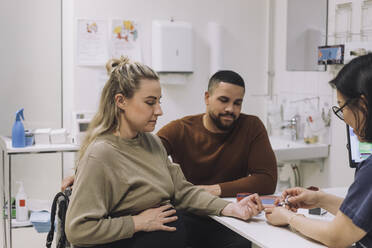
172, 46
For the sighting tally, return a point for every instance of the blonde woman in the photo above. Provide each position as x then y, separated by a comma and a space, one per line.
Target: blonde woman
126, 192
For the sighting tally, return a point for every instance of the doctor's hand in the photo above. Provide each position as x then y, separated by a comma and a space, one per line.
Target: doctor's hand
301, 198
245, 209
67, 181
278, 216
154, 219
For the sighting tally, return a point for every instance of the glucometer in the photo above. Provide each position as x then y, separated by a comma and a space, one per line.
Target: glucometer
266, 200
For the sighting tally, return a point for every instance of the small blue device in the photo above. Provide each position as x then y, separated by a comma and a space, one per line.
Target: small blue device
267, 201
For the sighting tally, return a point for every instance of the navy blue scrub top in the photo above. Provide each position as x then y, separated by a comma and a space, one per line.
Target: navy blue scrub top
358, 201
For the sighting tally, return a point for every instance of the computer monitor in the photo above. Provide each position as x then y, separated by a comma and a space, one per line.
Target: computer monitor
358, 151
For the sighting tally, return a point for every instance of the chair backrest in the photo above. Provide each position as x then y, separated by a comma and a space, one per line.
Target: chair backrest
60, 202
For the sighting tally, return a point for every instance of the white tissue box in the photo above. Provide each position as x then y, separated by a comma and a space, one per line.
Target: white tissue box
42, 136
58, 136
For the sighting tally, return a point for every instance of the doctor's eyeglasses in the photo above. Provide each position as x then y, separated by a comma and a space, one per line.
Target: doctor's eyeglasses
338, 110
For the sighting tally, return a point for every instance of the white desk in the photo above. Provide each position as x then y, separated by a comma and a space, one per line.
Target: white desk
7, 152
265, 235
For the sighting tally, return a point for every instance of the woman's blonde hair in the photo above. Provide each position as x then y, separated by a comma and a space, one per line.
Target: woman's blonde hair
124, 78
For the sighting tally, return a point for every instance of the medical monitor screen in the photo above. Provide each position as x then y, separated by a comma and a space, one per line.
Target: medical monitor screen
331, 55
358, 151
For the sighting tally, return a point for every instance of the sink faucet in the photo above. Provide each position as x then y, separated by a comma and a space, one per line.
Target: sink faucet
293, 126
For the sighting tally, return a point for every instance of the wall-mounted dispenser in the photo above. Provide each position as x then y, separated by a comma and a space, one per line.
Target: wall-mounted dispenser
172, 46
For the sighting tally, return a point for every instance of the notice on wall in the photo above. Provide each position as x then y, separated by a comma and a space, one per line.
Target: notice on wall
92, 46
125, 39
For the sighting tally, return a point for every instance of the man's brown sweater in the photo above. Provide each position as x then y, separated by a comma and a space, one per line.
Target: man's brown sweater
239, 161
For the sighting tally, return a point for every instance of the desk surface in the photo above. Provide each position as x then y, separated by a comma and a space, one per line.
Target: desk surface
265, 235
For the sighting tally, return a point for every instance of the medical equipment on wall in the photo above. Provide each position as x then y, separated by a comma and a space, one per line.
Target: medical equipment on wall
172, 46
331, 55
80, 123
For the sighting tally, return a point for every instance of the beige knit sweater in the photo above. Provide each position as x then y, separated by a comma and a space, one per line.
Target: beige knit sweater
118, 178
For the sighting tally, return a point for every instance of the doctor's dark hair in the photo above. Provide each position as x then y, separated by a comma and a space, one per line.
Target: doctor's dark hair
226, 76
354, 82
124, 78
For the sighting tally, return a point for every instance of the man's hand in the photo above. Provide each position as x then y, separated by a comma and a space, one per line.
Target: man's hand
245, 209
67, 181
212, 189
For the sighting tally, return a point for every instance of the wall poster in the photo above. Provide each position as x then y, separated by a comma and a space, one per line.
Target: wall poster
92, 46
125, 39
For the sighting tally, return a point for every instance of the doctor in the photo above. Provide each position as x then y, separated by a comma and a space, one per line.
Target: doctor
353, 215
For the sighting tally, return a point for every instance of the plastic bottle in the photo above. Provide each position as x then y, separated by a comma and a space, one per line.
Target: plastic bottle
307, 132
18, 131
21, 204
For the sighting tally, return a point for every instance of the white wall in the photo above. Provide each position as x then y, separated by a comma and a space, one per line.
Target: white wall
244, 24
297, 85
30, 77
31, 66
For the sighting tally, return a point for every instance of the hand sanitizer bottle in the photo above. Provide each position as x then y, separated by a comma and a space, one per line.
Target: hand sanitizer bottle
21, 204
18, 131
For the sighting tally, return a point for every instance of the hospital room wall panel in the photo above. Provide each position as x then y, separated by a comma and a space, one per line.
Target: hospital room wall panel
30, 78
244, 39
290, 85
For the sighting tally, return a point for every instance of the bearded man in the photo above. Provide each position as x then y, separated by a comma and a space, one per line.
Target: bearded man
223, 151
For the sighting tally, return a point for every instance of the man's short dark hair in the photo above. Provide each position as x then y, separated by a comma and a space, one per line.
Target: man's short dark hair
226, 76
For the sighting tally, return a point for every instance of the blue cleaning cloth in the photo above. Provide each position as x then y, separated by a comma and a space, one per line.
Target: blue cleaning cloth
41, 221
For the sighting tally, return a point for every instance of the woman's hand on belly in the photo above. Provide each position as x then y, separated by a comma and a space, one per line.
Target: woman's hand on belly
154, 219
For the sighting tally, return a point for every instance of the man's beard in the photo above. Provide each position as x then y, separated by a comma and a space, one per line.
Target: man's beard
218, 123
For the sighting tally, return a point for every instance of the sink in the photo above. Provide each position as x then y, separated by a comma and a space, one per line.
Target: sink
287, 150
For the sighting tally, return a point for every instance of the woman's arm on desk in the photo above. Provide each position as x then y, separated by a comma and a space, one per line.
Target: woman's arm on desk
304, 198
341, 232
330, 202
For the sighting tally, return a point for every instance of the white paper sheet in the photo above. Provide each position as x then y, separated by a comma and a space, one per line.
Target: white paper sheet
92, 46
